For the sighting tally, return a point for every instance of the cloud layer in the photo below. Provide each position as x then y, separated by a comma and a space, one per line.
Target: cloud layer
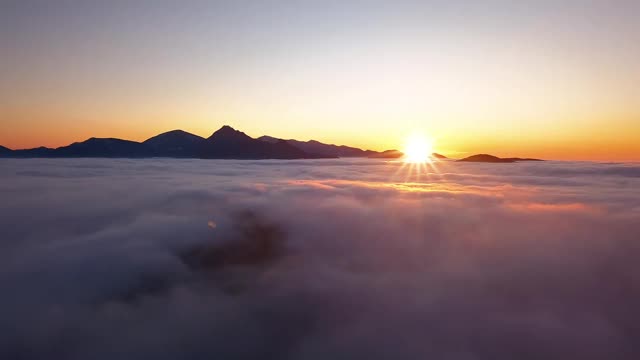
196, 259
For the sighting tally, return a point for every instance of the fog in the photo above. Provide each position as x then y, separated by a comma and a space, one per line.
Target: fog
318, 259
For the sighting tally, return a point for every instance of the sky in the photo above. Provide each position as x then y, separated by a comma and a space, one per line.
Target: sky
546, 79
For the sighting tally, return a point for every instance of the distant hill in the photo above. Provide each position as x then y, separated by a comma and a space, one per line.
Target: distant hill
4, 150
35, 152
316, 147
229, 143
523, 159
104, 147
486, 158
93, 147
176, 143
389, 154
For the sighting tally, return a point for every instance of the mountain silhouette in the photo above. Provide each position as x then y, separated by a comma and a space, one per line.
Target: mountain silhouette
522, 159
93, 147
229, 143
104, 147
388, 154
225, 143
176, 143
486, 158
35, 152
319, 148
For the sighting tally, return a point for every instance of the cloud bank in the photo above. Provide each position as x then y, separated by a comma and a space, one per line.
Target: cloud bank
323, 259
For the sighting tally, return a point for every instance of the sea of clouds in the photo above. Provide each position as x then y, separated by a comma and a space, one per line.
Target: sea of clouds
318, 259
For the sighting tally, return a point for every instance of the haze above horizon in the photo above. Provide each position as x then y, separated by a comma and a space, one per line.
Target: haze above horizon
546, 80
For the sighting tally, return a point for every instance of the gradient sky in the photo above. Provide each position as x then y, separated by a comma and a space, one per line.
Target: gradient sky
515, 78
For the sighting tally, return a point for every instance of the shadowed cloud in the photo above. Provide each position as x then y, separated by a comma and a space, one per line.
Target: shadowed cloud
318, 259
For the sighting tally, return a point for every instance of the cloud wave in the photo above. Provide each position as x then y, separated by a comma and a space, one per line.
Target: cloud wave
107, 259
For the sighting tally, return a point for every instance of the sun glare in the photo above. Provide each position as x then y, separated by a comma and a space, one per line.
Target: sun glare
417, 149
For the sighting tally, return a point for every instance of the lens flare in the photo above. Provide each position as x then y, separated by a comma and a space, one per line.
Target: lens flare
417, 149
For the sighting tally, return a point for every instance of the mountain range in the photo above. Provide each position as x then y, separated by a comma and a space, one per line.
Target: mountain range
486, 158
316, 147
225, 143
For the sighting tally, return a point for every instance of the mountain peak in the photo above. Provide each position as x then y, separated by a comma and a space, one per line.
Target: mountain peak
175, 143
176, 132
228, 132
229, 143
173, 135
227, 129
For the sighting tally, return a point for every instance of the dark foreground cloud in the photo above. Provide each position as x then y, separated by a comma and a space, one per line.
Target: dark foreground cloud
328, 259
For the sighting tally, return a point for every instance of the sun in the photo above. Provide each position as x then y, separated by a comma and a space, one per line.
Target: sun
417, 149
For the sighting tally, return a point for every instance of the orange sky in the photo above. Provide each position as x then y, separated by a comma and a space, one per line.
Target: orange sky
556, 81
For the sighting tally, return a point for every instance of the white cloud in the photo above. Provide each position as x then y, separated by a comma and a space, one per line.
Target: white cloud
117, 259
